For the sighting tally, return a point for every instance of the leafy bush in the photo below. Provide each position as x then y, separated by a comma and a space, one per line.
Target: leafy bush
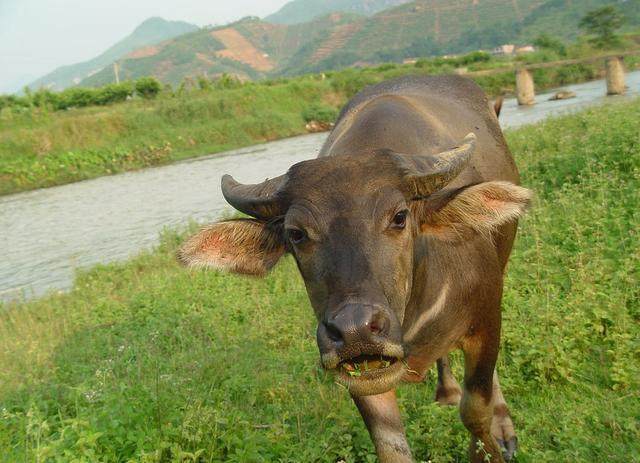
227, 81
148, 87
80, 97
550, 43
321, 113
76, 98
114, 93
474, 57
9, 101
44, 98
204, 83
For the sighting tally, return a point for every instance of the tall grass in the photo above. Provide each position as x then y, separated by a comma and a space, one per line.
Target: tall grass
144, 361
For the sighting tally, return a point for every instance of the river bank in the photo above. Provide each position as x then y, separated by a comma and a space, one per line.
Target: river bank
144, 361
40, 148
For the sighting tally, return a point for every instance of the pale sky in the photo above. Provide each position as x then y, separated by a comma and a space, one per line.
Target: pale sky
36, 36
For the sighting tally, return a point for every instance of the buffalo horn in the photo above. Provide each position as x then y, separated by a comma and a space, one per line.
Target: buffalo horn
261, 200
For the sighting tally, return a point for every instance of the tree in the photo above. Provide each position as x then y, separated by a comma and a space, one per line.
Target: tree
148, 87
204, 83
550, 43
602, 24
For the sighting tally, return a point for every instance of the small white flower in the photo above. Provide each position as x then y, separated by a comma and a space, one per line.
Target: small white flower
91, 395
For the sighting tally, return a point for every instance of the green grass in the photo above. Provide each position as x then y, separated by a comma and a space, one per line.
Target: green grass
145, 361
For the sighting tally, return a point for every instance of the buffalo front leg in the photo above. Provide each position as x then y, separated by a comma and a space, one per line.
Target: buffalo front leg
382, 417
476, 407
502, 425
448, 391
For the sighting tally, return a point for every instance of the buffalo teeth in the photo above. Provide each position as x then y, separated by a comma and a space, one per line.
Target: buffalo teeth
357, 368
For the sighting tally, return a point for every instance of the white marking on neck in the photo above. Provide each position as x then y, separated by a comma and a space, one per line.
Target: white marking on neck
428, 315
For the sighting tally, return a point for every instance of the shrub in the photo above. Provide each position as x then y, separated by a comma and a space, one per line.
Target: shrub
148, 87
204, 83
76, 98
9, 101
44, 98
550, 43
321, 113
114, 93
227, 81
474, 57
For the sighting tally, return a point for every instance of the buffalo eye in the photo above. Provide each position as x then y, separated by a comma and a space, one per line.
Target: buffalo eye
296, 236
399, 220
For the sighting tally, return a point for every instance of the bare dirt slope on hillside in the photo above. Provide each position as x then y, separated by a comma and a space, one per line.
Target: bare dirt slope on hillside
144, 52
238, 48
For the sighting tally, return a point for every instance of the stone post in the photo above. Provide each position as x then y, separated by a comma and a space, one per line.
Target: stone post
615, 76
524, 87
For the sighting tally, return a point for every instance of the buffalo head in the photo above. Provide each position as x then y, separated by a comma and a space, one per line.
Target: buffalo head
352, 224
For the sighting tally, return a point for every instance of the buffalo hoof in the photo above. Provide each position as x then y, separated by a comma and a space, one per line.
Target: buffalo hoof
503, 431
509, 448
448, 396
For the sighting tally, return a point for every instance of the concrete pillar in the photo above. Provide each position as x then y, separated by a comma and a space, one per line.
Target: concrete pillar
615, 76
524, 87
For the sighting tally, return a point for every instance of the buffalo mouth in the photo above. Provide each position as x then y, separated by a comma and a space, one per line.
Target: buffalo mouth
368, 374
365, 364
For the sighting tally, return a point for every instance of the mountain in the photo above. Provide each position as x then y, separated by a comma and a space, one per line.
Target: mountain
300, 11
150, 32
253, 48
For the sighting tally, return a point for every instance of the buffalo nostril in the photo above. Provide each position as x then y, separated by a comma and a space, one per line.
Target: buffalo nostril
379, 324
374, 327
333, 332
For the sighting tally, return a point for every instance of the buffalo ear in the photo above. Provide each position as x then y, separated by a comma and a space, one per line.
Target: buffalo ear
475, 210
245, 246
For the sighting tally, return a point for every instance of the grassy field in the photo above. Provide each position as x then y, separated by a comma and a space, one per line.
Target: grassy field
41, 148
146, 362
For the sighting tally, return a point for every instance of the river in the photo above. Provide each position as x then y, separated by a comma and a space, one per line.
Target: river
45, 235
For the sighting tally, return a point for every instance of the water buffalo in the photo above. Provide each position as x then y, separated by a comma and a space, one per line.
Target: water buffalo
401, 230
